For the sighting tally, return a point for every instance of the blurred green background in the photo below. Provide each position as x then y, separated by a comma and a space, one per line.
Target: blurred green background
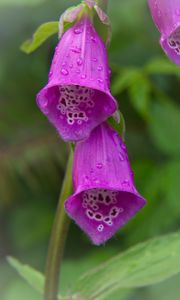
33, 158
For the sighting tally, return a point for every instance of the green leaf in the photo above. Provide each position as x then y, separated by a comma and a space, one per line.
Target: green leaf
142, 265
43, 32
139, 92
138, 86
123, 80
162, 66
165, 127
33, 277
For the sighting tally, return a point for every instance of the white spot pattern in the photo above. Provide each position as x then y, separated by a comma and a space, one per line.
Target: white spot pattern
92, 199
74, 101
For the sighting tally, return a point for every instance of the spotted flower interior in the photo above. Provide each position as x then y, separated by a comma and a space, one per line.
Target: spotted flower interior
75, 110
101, 206
101, 212
75, 103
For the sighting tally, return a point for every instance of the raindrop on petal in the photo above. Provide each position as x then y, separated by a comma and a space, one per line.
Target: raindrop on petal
99, 165
64, 71
100, 80
79, 61
78, 30
100, 68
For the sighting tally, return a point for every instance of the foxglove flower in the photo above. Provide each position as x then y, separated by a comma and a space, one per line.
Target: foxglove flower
105, 197
166, 15
77, 97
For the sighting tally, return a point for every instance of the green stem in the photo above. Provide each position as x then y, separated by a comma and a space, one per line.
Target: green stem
58, 238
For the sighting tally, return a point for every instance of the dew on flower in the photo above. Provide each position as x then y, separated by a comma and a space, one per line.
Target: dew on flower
64, 71
99, 165
79, 61
100, 68
78, 30
75, 49
93, 39
100, 80
125, 183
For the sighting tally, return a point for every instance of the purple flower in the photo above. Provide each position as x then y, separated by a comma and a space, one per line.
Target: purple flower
77, 97
166, 15
105, 197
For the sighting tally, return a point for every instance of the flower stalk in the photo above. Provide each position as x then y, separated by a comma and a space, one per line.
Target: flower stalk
58, 238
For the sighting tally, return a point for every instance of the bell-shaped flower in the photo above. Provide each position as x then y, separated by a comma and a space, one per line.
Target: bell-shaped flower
105, 196
77, 97
166, 15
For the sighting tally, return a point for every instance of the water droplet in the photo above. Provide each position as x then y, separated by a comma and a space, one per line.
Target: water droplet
79, 61
78, 71
100, 68
109, 71
63, 64
83, 76
78, 30
94, 59
75, 49
50, 73
121, 157
71, 66
93, 39
100, 80
126, 183
97, 181
64, 71
99, 165
123, 146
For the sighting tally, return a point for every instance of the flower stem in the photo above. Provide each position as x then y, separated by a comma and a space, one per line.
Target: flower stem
58, 238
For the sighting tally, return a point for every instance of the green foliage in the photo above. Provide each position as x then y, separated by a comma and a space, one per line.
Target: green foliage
43, 32
165, 127
145, 264
32, 159
33, 277
162, 66
20, 2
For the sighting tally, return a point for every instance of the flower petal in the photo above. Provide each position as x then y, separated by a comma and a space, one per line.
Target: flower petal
105, 197
166, 15
79, 68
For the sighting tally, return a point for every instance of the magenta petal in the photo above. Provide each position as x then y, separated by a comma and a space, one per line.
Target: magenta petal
77, 97
105, 197
166, 15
